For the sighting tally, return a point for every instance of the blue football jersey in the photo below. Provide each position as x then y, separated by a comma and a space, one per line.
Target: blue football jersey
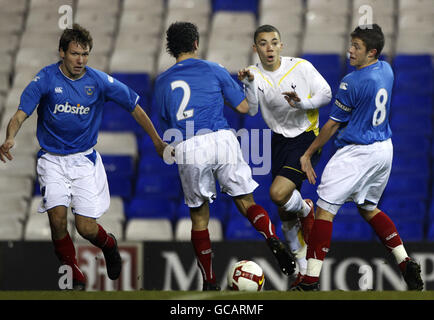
70, 111
190, 96
363, 103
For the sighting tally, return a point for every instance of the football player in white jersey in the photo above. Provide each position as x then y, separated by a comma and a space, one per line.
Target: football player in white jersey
69, 97
360, 169
289, 90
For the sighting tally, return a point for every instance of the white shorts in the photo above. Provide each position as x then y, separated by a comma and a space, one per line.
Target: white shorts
77, 180
357, 173
204, 158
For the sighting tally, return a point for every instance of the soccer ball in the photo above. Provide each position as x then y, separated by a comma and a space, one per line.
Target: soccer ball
246, 275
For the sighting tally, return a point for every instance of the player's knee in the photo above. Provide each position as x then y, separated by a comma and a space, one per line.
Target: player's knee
368, 214
87, 229
244, 202
278, 195
58, 224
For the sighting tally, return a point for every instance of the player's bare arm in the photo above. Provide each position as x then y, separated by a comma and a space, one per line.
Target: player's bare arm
243, 107
327, 131
142, 118
11, 131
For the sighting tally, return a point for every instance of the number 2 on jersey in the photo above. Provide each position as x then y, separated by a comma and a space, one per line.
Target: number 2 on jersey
380, 107
183, 114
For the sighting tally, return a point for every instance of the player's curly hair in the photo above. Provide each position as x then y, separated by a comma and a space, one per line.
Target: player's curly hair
180, 37
76, 34
371, 35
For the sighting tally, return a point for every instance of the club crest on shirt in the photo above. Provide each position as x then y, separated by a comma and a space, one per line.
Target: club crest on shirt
89, 90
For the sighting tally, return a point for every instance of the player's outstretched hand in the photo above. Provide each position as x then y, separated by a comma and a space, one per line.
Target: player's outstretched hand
306, 167
245, 73
292, 98
160, 147
5, 150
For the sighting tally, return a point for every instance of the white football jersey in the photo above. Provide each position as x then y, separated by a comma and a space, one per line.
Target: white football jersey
294, 74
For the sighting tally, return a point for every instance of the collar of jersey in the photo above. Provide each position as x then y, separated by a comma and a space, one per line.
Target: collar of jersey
58, 66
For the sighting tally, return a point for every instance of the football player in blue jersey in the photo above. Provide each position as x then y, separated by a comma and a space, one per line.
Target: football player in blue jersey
69, 97
360, 169
190, 96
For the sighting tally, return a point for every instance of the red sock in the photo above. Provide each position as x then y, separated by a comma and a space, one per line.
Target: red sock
389, 236
202, 248
319, 244
385, 230
260, 220
65, 252
103, 240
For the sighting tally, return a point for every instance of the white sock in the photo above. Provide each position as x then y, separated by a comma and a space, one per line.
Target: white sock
314, 267
297, 204
300, 256
290, 231
399, 253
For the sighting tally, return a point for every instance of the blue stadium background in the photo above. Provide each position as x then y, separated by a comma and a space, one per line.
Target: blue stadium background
129, 43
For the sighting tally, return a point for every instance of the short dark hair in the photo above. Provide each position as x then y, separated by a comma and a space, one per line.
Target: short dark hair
76, 34
371, 35
180, 37
265, 28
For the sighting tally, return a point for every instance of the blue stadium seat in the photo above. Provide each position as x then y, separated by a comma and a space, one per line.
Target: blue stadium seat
145, 145
324, 112
409, 142
115, 118
431, 209
410, 163
239, 228
239, 5
430, 234
119, 186
406, 123
412, 62
235, 119
349, 211
120, 173
151, 163
36, 188
410, 208
330, 67
349, 225
410, 184
418, 81
255, 122
219, 209
139, 82
352, 230
413, 75
264, 182
410, 230
420, 104
118, 165
156, 206
308, 191
158, 183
